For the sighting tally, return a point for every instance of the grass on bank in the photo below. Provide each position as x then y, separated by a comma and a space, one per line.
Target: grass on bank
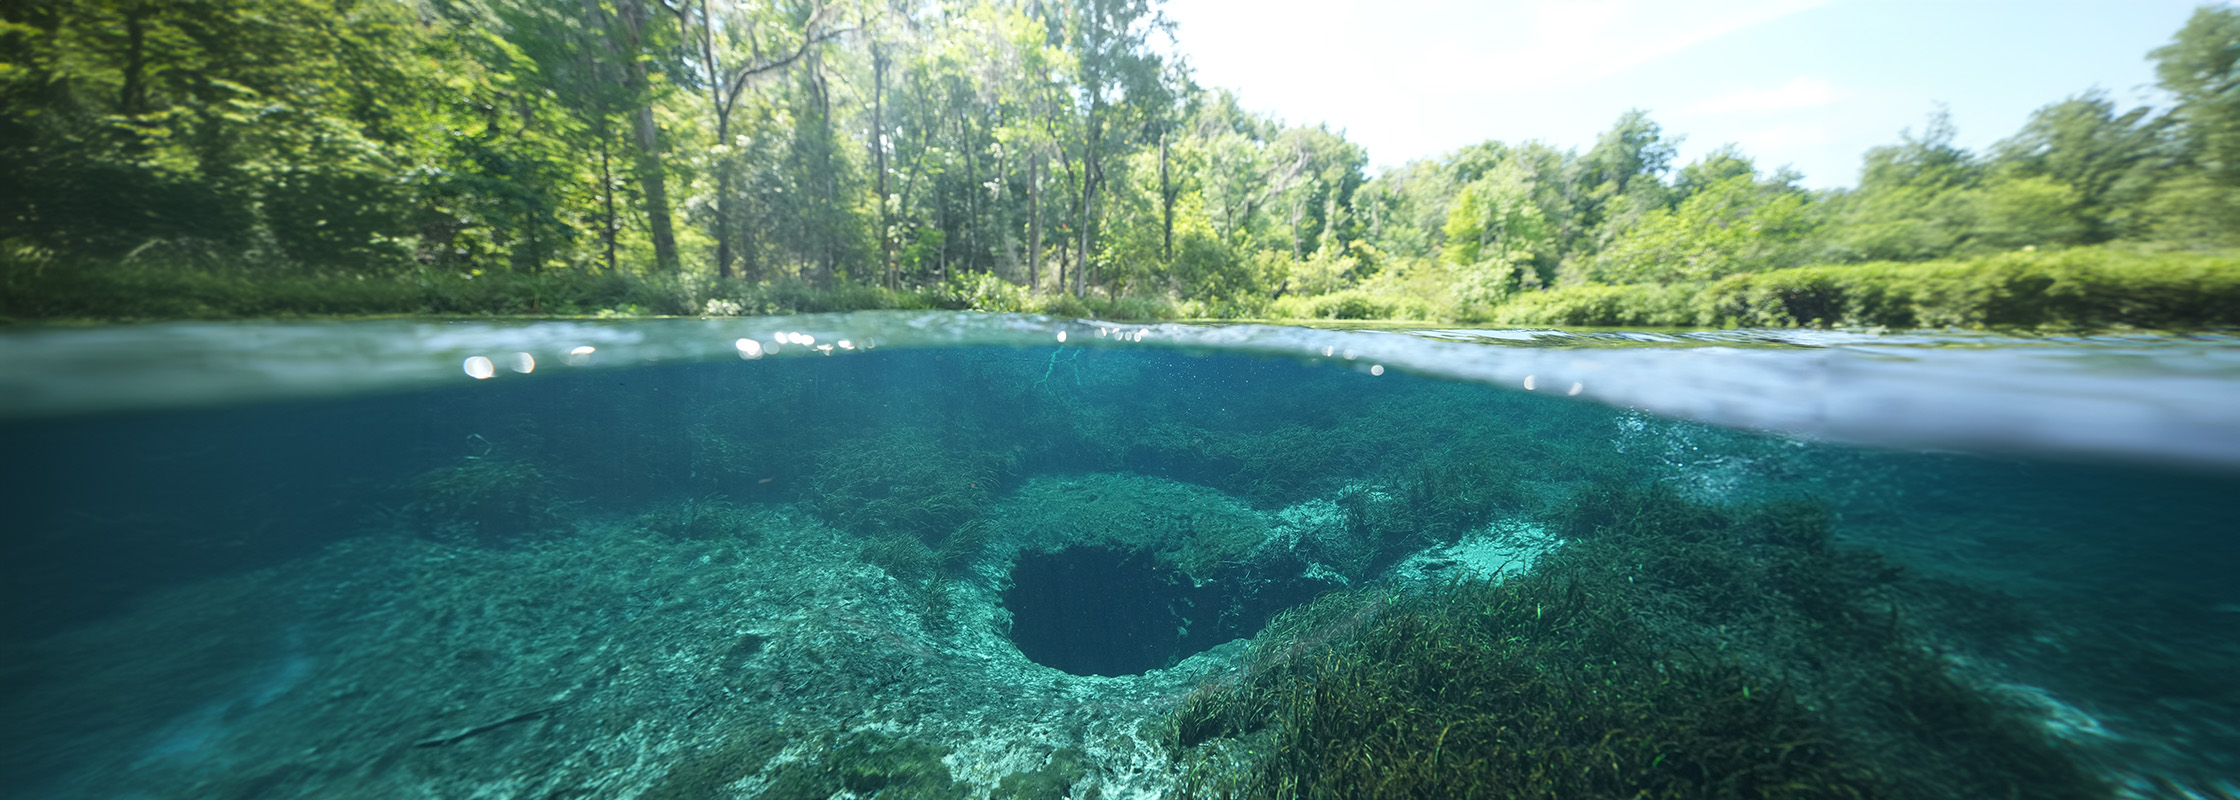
2081, 288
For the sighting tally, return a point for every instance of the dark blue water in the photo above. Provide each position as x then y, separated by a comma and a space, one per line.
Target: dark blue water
941, 564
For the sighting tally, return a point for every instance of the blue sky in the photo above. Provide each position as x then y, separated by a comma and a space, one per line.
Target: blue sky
1807, 83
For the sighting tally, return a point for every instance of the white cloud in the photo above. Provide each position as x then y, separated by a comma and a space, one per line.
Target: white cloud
1804, 92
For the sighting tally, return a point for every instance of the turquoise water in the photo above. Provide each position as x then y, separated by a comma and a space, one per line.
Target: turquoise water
934, 555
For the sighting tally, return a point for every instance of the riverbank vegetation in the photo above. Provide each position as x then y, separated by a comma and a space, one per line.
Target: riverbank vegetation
244, 158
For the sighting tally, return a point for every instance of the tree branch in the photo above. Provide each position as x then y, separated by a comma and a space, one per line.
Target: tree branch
737, 81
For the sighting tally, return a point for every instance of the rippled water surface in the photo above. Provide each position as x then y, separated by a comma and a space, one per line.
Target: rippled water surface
959, 555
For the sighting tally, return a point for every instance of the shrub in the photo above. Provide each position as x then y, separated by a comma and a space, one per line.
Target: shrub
1594, 304
1352, 304
2092, 287
2080, 288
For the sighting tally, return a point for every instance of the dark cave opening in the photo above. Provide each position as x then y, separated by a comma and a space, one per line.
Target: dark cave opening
1101, 611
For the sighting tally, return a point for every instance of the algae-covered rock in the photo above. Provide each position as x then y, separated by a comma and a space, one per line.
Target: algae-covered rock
702, 773
1191, 528
1053, 781
869, 764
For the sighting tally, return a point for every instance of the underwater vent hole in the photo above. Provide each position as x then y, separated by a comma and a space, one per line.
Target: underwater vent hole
1102, 611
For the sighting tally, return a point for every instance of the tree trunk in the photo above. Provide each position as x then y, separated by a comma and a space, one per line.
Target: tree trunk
607, 228
1088, 193
941, 223
651, 180
1166, 204
132, 97
595, 25
1034, 219
820, 185
968, 231
1328, 236
723, 221
724, 224
879, 158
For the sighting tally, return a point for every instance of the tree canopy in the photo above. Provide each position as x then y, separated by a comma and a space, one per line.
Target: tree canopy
1048, 144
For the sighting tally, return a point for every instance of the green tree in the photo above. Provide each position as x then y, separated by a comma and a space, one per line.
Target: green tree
281, 132
1911, 202
1728, 161
1494, 234
2034, 212
2201, 66
2109, 160
1617, 180
1734, 225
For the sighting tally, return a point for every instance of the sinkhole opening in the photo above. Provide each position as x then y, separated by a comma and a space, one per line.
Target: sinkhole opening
1103, 611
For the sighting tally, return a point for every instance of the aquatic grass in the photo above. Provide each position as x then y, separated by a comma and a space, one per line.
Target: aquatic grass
1539, 687
496, 499
964, 548
903, 557
708, 517
1671, 648
1766, 584
904, 480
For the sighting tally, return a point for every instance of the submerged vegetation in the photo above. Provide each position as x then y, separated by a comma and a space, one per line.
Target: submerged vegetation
1671, 649
1668, 647
1103, 575
251, 158
493, 499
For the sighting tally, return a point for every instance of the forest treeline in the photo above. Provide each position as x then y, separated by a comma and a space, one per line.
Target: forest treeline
231, 157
